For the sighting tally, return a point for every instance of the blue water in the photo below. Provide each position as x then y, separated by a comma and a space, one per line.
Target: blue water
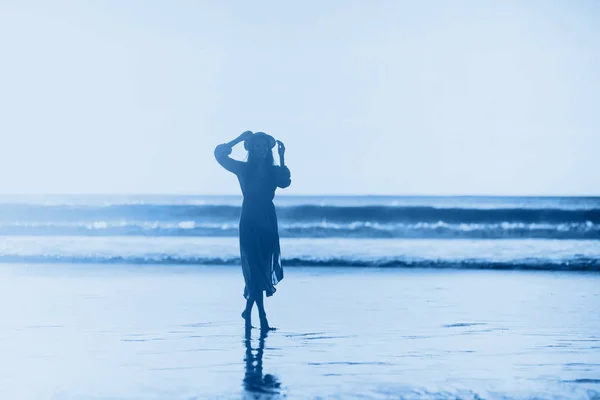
390, 231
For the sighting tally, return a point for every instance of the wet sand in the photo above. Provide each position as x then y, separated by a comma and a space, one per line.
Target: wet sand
175, 332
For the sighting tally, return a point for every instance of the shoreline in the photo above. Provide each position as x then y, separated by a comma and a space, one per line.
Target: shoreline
584, 268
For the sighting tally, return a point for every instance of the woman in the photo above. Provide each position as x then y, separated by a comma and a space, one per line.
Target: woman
259, 238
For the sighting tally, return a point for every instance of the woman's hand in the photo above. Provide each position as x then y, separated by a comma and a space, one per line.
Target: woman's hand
280, 148
245, 135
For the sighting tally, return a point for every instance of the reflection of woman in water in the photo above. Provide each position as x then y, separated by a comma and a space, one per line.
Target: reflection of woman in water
259, 238
266, 386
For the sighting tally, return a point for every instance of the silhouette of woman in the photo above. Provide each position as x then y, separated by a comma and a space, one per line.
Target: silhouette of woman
259, 237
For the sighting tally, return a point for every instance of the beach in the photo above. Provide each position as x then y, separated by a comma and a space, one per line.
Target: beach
91, 331
410, 183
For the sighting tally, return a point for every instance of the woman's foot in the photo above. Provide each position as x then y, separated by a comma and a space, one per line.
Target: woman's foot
264, 324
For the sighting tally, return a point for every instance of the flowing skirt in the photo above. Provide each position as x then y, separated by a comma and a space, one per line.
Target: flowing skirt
259, 250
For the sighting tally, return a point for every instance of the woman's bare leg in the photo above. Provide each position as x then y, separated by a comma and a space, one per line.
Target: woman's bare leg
247, 313
264, 324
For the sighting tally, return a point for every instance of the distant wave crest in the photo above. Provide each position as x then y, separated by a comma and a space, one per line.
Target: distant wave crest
299, 213
322, 229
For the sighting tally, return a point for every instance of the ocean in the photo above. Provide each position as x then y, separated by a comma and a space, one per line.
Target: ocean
548, 233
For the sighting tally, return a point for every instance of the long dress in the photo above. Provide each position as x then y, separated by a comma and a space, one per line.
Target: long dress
259, 237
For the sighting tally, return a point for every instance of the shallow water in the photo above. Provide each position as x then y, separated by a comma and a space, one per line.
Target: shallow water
156, 332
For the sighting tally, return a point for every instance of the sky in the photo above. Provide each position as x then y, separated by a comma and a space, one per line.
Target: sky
370, 97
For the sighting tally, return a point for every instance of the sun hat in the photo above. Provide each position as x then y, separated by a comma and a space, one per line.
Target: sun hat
257, 135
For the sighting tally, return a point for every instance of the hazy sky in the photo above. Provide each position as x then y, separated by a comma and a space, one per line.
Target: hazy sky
370, 97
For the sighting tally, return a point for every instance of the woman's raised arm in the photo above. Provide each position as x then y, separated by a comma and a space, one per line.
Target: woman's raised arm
223, 151
282, 172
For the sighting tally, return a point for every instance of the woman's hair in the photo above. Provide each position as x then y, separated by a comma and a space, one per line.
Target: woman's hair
268, 160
